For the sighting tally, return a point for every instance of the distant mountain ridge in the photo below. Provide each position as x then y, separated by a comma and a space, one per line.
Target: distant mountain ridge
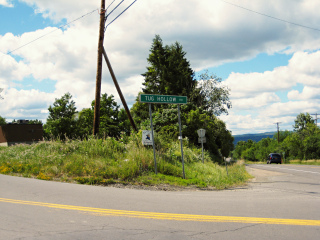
254, 137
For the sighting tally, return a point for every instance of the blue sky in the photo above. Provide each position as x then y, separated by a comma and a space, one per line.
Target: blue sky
270, 66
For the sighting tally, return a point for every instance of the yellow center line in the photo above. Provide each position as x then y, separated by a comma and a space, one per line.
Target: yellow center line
168, 216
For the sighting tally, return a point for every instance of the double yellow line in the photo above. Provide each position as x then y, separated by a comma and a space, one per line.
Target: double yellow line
168, 216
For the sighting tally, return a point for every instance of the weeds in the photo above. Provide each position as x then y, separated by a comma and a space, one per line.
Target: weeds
107, 161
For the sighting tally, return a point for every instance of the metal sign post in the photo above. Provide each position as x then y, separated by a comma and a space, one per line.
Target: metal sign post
225, 161
154, 150
180, 134
164, 99
202, 133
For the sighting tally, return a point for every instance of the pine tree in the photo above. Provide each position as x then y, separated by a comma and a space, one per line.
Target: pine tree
169, 72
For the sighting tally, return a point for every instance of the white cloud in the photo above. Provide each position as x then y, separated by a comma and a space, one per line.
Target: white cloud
25, 104
211, 32
12, 70
255, 102
6, 3
255, 93
308, 93
60, 9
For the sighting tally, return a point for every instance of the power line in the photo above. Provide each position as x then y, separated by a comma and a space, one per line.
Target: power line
110, 5
114, 8
119, 14
275, 18
52, 31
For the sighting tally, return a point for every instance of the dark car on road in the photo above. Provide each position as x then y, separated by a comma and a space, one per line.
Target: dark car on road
274, 158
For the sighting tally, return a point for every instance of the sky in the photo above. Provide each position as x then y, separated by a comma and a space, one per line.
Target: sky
267, 53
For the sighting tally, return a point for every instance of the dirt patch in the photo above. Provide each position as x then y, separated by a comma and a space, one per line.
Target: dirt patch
261, 175
160, 187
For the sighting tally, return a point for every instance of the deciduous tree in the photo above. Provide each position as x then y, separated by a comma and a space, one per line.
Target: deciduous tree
2, 121
61, 121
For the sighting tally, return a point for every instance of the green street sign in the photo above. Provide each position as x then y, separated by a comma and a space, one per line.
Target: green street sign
151, 98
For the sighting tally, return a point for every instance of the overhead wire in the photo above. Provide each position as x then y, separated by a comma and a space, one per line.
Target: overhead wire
52, 31
119, 14
269, 16
110, 4
114, 8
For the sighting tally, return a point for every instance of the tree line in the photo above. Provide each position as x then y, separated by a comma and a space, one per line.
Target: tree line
168, 73
302, 143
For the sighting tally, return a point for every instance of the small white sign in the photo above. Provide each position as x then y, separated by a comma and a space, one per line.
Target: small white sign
146, 137
202, 140
201, 132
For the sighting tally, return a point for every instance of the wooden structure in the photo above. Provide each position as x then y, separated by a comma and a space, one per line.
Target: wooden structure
11, 134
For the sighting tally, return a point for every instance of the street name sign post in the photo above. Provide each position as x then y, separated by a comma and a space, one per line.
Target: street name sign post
202, 132
164, 99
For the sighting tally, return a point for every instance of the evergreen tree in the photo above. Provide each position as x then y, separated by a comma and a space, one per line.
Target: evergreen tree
169, 72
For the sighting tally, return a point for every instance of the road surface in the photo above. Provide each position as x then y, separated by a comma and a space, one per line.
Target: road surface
282, 202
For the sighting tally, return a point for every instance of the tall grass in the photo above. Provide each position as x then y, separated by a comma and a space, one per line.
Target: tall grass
107, 161
305, 162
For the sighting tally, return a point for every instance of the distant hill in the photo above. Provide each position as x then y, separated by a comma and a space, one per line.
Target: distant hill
254, 137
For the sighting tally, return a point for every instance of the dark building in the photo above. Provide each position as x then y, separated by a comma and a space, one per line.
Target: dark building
11, 134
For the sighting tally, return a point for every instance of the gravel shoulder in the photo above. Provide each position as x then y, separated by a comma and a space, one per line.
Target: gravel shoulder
260, 175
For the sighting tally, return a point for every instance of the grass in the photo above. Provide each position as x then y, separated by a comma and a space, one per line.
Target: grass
105, 162
306, 162
297, 161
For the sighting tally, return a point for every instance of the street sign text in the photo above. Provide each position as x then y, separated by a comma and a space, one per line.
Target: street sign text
151, 98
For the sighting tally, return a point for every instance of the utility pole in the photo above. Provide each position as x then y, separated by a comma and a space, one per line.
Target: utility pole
278, 129
119, 90
96, 119
316, 114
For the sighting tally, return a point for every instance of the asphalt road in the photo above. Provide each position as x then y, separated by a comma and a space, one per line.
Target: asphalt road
282, 202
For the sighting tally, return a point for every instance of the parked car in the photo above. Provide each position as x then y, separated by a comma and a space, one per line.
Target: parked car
274, 158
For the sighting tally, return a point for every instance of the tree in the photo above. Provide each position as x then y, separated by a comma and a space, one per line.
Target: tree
169, 72
213, 96
112, 120
240, 147
85, 122
282, 135
2, 121
109, 117
301, 121
61, 121
35, 122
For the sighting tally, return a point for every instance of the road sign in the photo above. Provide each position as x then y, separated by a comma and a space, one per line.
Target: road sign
147, 137
202, 140
151, 98
201, 132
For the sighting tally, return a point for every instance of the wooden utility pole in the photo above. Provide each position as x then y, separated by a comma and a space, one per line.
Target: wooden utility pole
278, 129
96, 119
124, 103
